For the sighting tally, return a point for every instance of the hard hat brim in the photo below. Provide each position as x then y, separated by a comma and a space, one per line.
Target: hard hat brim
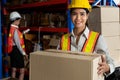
70, 7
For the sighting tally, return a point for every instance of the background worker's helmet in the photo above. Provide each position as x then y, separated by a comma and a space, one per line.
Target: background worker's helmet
80, 4
14, 15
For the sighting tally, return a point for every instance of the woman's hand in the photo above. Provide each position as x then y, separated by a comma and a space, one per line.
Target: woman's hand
103, 66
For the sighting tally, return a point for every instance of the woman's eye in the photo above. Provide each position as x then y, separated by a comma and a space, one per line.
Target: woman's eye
82, 14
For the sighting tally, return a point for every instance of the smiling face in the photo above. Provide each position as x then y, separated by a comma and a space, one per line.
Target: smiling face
79, 18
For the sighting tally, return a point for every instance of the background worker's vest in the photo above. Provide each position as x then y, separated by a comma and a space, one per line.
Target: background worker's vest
10, 39
89, 44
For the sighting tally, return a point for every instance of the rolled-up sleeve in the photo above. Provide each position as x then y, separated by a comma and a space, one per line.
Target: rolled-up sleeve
101, 47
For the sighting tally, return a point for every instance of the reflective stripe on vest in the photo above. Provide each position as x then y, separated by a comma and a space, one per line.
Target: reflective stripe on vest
91, 42
88, 46
65, 42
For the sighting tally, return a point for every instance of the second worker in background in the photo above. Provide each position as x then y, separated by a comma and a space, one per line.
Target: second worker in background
16, 46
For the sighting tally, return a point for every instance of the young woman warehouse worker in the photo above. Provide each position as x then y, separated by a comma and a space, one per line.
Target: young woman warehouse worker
81, 39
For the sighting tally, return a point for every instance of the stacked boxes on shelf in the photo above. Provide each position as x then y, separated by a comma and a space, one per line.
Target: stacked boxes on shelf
105, 19
41, 19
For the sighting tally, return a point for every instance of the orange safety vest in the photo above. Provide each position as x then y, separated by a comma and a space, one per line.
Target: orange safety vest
89, 44
10, 39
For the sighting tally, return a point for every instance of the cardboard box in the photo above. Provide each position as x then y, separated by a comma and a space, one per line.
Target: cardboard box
112, 42
104, 14
106, 28
48, 65
110, 29
115, 54
30, 36
105, 19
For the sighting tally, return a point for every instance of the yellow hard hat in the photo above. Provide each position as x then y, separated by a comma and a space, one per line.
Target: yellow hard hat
80, 4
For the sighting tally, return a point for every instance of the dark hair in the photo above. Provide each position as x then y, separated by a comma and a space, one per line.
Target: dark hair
87, 11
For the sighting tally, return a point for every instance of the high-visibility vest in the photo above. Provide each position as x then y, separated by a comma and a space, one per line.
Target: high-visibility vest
88, 46
10, 39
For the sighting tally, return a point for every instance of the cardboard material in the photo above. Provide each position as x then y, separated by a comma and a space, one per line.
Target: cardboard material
105, 19
112, 42
104, 14
110, 29
106, 28
63, 65
115, 54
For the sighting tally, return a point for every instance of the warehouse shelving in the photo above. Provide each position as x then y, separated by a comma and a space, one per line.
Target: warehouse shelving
46, 29
42, 29
60, 5
53, 5
45, 4
48, 5
40, 4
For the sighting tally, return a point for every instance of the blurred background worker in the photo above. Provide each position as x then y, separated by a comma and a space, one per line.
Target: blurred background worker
81, 39
16, 47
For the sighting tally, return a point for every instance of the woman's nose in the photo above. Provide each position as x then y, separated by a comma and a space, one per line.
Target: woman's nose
78, 16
